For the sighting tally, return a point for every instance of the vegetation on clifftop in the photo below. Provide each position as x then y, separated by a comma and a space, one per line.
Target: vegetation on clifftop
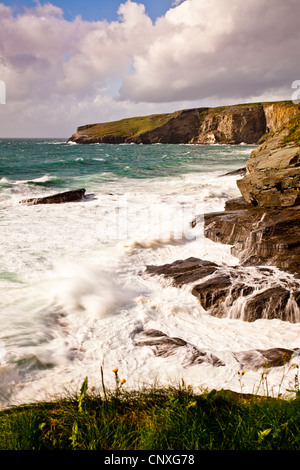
169, 419
294, 131
124, 128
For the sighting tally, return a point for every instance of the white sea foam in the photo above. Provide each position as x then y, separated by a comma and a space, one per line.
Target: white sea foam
42, 179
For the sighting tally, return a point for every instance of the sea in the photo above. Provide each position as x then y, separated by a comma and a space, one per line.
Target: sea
73, 287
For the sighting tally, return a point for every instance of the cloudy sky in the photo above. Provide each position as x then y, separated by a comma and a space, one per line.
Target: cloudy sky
68, 63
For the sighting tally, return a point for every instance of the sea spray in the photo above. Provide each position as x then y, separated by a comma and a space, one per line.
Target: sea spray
88, 288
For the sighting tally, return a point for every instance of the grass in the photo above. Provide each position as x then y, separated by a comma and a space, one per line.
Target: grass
130, 127
294, 131
169, 419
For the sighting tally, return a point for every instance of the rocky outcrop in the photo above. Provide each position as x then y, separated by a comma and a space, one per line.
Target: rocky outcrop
174, 128
258, 236
67, 196
244, 293
247, 123
272, 176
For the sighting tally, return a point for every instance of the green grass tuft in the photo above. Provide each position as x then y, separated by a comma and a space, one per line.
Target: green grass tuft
169, 419
294, 131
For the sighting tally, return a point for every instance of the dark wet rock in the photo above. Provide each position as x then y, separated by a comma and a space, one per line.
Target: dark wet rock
219, 293
184, 271
68, 196
270, 303
240, 171
258, 236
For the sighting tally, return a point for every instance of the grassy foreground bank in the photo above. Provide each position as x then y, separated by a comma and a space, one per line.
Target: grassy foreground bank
171, 419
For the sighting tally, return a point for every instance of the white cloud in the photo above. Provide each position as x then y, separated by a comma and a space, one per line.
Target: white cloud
60, 74
218, 48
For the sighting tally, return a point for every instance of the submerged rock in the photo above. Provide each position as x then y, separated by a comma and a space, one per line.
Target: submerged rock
165, 346
239, 171
68, 196
256, 358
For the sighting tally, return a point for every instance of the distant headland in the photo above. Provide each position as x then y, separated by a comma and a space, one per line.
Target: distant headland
245, 123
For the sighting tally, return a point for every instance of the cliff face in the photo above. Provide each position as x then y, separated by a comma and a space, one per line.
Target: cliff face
232, 125
273, 170
263, 225
248, 123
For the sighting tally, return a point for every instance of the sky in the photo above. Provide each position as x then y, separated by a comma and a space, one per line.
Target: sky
66, 63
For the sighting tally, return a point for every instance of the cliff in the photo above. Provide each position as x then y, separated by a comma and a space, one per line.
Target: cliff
263, 225
273, 175
248, 123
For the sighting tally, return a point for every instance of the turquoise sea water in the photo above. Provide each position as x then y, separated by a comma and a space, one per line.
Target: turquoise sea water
72, 165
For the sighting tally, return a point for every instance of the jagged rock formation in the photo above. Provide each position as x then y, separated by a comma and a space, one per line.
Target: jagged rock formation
235, 292
263, 225
232, 125
258, 236
248, 123
68, 196
273, 174
273, 171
